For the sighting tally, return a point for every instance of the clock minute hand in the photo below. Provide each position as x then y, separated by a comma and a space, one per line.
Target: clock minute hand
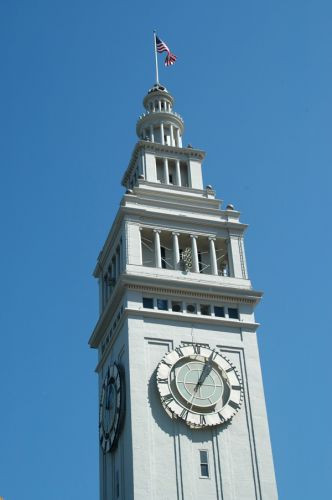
200, 380
207, 368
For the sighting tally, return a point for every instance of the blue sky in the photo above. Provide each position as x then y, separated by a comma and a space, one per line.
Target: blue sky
253, 83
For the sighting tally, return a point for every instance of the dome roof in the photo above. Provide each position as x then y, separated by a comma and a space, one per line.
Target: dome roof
158, 88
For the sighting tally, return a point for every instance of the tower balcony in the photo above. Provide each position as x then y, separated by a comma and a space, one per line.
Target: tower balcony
161, 126
192, 253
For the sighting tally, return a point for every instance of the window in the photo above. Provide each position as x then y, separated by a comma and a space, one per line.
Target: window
176, 306
200, 262
205, 310
191, 308
162, 304
160, 169
147, 303
204, 464
117, 484
233, 313
219, 311
184, 174
163, 257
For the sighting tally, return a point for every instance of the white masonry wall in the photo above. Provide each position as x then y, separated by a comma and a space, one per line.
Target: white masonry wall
166, 451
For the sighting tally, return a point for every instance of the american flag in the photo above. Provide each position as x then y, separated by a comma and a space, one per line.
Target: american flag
162, 47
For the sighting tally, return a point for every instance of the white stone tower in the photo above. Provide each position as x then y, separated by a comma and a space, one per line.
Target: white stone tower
182, 413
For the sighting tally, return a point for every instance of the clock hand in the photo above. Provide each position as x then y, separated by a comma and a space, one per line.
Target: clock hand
192, 397
206, 370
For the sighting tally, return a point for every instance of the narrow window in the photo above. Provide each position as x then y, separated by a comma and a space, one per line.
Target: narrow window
117, 484
191, 308
219, 311
147, 303
163, 257
205, 310
160, 170
200, 262
184, 174
162, 304
176, 306
204, 464
233, 313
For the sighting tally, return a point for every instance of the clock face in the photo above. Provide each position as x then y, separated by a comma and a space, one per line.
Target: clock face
111, 408
199, 385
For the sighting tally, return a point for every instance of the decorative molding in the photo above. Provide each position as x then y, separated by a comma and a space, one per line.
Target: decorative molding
188, 293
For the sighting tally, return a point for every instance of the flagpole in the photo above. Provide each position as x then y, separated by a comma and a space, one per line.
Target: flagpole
155, 56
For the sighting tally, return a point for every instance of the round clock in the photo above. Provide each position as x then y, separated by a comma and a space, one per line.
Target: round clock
199, 385
111, 408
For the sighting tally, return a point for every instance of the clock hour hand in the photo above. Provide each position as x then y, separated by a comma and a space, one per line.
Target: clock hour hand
206, 370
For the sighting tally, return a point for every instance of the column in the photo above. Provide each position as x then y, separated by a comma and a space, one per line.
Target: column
162, 133
157, 252
194, 253
171, 131
166, 173
176, 251
213, 257
230, 257
159, 105
151, 133
178, 138
177, 173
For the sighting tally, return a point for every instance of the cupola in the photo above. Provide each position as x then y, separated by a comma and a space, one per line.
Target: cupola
160, 123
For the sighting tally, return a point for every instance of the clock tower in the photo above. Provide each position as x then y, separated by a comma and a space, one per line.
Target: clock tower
181, 403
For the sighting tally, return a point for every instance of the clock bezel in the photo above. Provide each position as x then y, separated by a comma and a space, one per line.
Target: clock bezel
109, 439
172, 403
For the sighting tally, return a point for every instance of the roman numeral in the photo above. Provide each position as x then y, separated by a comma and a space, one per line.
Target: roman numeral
233, 404
236, 387
166, 363
167, 399
162, 380
197, 348
222, 420
179, 352
184, 414
202, 420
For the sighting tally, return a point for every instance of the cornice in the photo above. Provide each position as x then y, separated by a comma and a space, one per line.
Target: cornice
175, 289
141, 211
172, 316
107, 314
